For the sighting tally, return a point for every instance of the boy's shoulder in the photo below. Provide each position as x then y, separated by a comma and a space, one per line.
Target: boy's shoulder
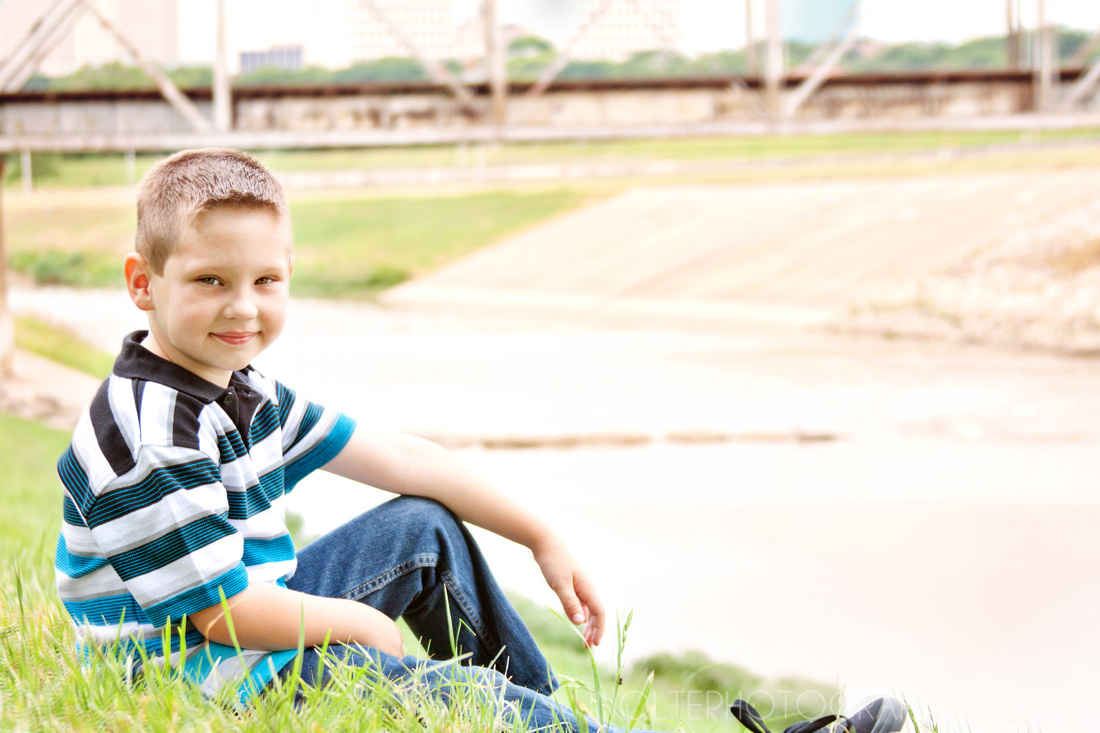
148, 401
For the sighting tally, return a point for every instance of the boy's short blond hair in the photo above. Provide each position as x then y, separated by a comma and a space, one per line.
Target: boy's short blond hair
181, 188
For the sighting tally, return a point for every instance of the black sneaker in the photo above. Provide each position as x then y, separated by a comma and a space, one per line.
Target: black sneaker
883, 715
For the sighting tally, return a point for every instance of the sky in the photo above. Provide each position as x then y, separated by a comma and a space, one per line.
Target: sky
708, 25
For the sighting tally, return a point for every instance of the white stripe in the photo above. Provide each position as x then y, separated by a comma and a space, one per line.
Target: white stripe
88, 454
169, 513
316, 434
100, 584
158, 404
201, 566
79, 540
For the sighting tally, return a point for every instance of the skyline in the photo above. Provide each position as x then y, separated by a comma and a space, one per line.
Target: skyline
708, 25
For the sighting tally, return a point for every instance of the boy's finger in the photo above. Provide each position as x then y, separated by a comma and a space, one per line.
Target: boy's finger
571, 605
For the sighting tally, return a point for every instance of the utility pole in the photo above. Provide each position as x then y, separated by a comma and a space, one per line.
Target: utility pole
750, 41
495, 54
223, 101
7, 325
774, 66
1012, 38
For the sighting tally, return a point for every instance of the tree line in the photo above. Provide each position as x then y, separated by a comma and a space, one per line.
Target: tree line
529, 56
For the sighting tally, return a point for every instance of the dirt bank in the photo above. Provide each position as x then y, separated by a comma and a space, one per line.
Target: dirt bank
1037, 288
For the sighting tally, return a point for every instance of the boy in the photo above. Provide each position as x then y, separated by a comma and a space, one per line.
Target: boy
175, 478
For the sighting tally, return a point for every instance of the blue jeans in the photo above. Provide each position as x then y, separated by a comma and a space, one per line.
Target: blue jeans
411, 557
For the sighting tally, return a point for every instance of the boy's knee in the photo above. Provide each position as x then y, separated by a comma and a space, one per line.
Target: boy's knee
423, 512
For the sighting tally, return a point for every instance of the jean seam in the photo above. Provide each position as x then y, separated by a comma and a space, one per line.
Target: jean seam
383, 579
417, 562
455, 592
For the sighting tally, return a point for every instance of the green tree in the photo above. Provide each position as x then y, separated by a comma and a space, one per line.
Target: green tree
390, 68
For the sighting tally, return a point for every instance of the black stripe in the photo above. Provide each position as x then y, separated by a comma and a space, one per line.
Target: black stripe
109, 437
185, 421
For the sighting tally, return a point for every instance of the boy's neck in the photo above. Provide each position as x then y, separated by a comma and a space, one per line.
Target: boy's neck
150, 343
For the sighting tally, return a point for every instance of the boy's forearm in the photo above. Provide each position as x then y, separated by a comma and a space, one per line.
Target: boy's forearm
409, 465
269, 617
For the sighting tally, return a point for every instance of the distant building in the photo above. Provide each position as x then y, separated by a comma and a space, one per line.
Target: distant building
287, 58
627, 27
426, 23
152, 26
812, 21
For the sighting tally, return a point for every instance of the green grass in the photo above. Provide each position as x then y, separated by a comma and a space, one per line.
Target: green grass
347, 244
355, 245
62, 346
43, 686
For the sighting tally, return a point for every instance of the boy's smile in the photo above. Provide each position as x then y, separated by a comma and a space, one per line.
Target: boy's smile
222, 297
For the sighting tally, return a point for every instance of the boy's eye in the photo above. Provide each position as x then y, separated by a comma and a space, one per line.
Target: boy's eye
210, 280
265, 281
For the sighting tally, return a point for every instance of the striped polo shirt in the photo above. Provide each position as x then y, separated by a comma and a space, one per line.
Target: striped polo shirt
174, 492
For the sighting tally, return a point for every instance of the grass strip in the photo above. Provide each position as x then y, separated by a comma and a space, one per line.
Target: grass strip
61, 345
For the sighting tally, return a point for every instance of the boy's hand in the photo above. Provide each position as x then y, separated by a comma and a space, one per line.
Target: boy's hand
578, 596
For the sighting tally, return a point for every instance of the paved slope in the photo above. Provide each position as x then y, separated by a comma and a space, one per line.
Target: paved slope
797, 251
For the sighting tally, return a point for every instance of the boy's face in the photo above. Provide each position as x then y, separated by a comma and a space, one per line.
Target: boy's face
222, 297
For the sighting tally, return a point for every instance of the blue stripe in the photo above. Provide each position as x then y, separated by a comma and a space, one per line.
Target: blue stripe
70, 513
309, 419
249, 503
258, 552
203, 596
321, 453
264, 423
286, 402
231, 447
172, 546
159, 483
76, 566
108, 611
75, 478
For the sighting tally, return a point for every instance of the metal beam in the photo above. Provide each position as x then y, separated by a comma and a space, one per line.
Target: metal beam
562, 60
814, 81
823, 48
222, 93
61, 30
36, 39
435, 70
495, 68
1082, 54
171, 92
1082, 87
773, 66
750, 40
1044, 70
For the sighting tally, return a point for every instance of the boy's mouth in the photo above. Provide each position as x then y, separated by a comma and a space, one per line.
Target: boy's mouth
235, 338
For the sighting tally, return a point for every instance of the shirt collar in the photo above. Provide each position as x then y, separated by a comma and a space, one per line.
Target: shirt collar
137, 362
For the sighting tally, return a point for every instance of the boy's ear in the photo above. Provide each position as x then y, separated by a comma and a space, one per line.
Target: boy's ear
137, 274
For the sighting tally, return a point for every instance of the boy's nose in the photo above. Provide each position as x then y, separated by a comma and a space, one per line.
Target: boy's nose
241, 307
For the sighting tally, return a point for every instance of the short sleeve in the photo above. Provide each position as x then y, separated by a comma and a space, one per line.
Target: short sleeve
312, 435
164, 528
